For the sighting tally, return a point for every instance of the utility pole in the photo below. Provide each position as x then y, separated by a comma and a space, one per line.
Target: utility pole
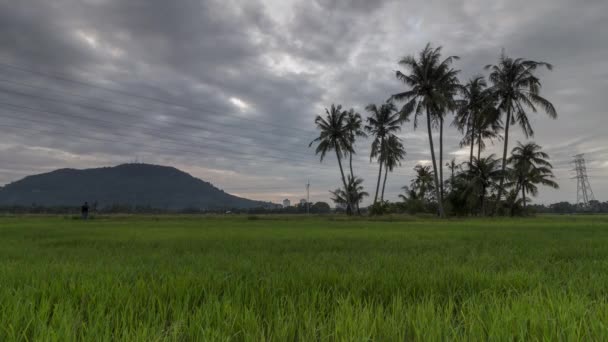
584, 194
308, 197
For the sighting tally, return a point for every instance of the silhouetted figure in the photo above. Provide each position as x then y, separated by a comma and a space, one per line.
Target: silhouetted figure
85, 211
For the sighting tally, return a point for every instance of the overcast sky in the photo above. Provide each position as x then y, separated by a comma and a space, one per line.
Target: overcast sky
228, 90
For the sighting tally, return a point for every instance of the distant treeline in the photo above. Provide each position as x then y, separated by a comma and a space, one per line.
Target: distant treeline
567, 208
313, 208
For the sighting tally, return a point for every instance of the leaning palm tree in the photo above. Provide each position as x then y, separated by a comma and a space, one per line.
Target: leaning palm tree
432, 88
382, 122
517, 89
354, 124
530, 167
334, 135
393, 154
481, 175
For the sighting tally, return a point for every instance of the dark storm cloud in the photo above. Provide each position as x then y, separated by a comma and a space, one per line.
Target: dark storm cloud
228, 89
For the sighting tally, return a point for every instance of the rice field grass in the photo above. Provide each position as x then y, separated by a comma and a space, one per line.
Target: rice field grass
303, 279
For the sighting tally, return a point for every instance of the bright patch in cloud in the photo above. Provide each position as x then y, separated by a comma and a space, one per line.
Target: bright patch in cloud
460, 153
94, 42
240, 104
88, 38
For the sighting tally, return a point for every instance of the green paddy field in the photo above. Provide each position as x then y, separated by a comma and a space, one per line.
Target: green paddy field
303, 279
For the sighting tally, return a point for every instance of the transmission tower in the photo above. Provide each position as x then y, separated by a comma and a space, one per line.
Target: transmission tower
584, 194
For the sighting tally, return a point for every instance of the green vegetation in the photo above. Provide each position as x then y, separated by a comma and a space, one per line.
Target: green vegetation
434, 90
279, 278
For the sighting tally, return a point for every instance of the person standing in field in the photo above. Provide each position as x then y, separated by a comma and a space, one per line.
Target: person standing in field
85, 211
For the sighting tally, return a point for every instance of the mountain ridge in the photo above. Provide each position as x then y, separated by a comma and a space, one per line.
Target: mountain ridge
135, 184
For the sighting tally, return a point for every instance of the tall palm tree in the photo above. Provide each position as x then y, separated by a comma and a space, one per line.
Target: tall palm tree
530, 167
432, 82
382, 122
517, 89
450, 88
393, 154
353, 194
354, 124
334, 135
481, 175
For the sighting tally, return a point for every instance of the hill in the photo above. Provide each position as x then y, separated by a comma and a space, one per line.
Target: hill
128, 184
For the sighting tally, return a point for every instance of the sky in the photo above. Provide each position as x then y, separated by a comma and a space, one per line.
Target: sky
228, 90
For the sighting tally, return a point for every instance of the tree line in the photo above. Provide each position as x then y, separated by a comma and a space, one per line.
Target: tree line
483, 109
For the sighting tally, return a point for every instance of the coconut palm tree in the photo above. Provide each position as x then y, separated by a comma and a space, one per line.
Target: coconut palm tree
410, 194
393, 154
334, 135
422, 183
432, 82
452, 166
530, 167
354, 124
450, 88
517, 89
480, 176
487, 127
382, 122
473, 103
353, 194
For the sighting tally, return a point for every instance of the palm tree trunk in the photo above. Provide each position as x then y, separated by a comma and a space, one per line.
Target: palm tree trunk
384, 184
504, 158
380, 161
523, 195
483, 202
350, 161
378, 184
472, 136
352, 174
452, 180
479, 144
435, 175
441, 157
515, 201
348, 204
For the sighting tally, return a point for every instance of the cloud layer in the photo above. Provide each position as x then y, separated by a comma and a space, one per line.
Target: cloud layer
228, 90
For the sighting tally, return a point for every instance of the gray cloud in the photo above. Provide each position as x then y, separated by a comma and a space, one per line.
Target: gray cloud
228, 90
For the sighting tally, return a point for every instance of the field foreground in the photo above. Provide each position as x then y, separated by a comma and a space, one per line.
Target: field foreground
193, 278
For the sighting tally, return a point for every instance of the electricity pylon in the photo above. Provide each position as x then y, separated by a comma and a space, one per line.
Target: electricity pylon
584, 194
